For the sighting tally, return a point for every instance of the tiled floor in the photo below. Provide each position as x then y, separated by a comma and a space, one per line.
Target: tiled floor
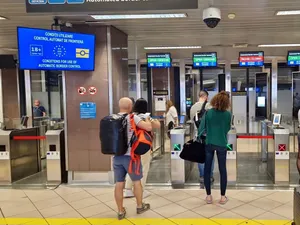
96, 206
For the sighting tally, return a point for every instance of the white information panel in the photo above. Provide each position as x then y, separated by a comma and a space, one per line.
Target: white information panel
175, 154
282, 155
4, 156
231, 154
53, 155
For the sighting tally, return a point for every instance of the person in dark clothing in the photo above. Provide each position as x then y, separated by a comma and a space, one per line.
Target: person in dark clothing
38, 109
216, 123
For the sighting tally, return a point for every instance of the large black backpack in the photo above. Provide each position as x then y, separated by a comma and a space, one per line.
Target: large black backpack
199, 115
113, 135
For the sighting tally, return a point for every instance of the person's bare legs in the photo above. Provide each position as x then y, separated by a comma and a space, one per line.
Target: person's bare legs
119, 196
138, 193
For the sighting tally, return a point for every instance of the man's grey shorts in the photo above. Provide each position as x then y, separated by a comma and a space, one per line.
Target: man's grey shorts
121, 167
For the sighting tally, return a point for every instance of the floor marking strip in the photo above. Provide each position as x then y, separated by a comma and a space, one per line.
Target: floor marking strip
138, 221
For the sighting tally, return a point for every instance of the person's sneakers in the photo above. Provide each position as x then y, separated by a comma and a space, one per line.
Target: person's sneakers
128, 193
145, 207
201, 180
122, 215
146, 194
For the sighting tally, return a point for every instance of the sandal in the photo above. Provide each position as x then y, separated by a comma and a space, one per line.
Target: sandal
209, 200
223, 202
145, 207
122, 215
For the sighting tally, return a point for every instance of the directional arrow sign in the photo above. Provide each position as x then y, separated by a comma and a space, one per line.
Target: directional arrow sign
177, 147
229, 147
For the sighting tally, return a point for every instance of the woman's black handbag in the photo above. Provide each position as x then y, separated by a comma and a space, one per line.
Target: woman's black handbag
170, 127
194, 151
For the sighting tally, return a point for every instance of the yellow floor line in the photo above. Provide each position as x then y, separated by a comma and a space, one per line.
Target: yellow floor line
138, 221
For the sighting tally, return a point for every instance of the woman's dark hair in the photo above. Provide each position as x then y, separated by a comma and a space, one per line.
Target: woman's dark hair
132, 99
221, 101
140, 106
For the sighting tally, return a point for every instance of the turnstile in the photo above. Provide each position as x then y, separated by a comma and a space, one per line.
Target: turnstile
231, 162
56, 159
19, 156
278, 164
177, 164
5, 167
264, 142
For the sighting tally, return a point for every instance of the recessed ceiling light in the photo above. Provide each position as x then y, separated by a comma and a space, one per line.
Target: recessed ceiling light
3, 18
139, 16
278, 45
288, 13
172, 47
231, 16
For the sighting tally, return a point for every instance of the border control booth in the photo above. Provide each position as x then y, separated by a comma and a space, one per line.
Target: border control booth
278, 163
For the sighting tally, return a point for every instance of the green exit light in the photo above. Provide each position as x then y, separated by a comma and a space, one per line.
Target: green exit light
177, 147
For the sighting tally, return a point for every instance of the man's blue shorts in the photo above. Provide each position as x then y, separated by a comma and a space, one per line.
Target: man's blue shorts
121, 167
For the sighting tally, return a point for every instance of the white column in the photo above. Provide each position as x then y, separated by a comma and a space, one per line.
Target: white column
28, 98
274, 88
228, 76
1, 100
182, 88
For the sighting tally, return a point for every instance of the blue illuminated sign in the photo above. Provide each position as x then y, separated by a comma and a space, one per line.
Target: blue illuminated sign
55, 50
88, 110
249, 59
161, 60
205, 59
293, 58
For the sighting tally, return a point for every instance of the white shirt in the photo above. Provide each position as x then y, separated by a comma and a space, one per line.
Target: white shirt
195, 109
171, 115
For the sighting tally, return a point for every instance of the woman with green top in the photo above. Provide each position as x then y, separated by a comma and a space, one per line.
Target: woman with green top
216, 124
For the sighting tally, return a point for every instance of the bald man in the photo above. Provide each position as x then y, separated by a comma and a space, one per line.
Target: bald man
121, 164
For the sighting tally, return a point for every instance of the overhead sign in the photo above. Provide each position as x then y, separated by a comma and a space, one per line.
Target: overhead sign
251, 59
159, 60
98, 6
205, 59
293, 58
55, 50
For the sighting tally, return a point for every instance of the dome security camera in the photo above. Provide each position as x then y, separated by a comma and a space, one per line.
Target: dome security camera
211, 17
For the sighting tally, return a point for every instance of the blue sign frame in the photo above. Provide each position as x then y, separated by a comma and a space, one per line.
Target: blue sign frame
41, 49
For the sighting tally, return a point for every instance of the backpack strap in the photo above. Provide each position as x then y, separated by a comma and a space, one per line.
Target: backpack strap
201, 110
135, 159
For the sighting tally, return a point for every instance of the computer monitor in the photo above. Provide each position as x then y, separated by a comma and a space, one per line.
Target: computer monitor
182, 120
276, 119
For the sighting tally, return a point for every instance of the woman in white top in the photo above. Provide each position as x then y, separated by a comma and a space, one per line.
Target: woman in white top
171, 115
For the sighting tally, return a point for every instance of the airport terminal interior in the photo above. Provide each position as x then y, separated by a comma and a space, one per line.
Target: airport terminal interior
64, 65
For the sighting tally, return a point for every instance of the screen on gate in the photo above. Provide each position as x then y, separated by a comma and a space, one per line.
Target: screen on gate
55, 50
293, 58
248, 59
205, 59
159, 60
